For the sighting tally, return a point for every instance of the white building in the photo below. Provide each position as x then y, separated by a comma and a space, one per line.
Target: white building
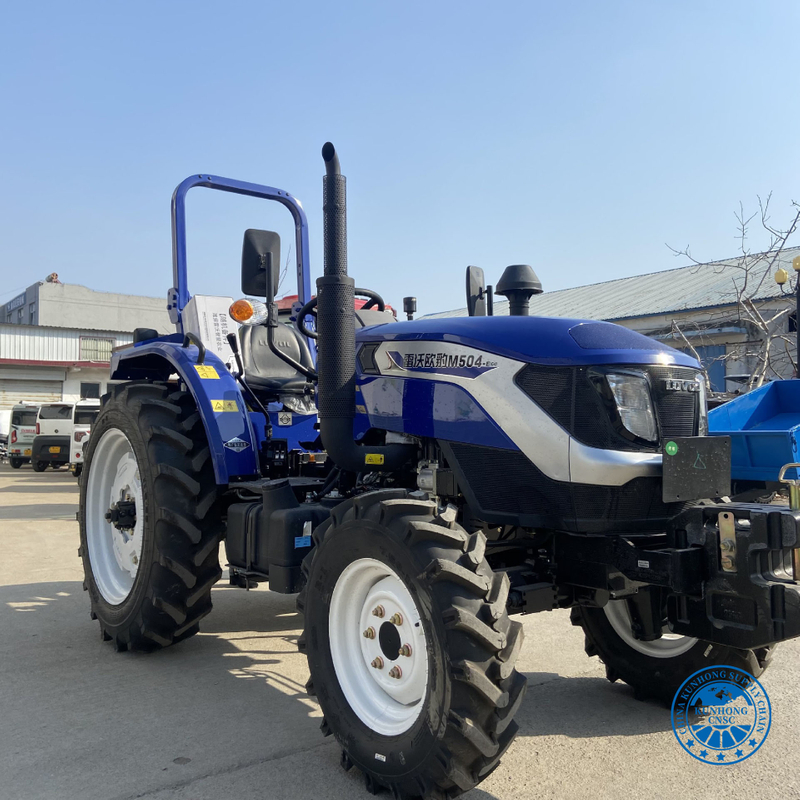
44, 364
66, 305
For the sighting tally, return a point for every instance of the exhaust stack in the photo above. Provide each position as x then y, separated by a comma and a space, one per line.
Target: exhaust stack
336, 346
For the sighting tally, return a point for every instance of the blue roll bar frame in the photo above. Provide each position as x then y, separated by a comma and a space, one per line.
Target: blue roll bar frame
179, 296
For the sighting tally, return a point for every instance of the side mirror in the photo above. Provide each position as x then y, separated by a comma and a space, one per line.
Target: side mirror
476, 292
261, 263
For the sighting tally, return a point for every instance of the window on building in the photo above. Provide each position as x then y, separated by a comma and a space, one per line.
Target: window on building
19, 315
90, 391
31, 312
96, 349
712, 357
8, 318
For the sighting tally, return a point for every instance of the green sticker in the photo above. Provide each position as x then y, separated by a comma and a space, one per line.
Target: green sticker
671, 448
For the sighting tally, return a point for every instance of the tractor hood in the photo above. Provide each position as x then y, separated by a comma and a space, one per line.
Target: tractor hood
538, 340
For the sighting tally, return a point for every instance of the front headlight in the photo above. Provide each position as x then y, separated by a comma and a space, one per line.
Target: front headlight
634, 404
702, 404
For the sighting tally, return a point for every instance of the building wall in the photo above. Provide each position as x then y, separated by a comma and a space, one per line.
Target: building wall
62, 358
42, 343
726, 341
72, 306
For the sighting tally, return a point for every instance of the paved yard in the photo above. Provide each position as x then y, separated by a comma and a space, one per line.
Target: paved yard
224, 715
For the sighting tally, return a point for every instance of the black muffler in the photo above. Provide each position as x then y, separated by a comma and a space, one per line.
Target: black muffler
336, 346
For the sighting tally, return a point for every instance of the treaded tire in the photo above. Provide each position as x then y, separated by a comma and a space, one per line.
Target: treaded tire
473, 690
182, 520
39, 466
658, 678
16, 463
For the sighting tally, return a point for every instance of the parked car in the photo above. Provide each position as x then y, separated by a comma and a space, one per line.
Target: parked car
21, 433
51, 445
83, 418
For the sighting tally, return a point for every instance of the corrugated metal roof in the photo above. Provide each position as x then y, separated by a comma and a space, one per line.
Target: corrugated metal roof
673, 290
41, 343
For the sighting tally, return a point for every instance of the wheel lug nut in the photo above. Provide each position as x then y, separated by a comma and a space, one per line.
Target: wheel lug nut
378, 612
405, 650
377, 663
396, 619
369, 633
395, 672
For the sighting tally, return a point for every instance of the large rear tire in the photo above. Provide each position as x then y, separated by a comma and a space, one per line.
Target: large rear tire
409, 645
149, 584
655, 670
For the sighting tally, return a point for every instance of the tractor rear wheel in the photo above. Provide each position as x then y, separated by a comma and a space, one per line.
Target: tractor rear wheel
409, 645
655, 669
149, 517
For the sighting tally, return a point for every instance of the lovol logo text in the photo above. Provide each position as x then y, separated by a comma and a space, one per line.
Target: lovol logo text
675, 385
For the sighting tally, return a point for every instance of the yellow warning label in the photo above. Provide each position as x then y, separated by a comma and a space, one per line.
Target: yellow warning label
224, 405
206, 372
373, 458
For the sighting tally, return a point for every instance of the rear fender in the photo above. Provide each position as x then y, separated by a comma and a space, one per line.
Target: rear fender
222, 408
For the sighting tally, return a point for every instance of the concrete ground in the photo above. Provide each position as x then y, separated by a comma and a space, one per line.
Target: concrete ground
225, 714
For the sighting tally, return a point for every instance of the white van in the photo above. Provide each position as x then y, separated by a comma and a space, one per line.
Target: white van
51, 445
83, 418
21, 432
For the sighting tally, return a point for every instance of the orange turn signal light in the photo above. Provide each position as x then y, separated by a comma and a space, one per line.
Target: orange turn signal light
241, 310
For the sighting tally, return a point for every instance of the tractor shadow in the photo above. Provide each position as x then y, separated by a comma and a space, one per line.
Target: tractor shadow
586, 708
229, 702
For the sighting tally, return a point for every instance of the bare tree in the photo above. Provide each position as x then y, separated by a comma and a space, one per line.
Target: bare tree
284, 271
768, 351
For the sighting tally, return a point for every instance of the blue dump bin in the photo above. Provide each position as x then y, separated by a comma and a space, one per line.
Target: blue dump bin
763, 426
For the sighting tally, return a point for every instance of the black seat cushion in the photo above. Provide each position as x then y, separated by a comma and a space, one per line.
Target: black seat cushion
263, 369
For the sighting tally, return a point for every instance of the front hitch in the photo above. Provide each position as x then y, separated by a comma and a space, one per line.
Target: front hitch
749, 596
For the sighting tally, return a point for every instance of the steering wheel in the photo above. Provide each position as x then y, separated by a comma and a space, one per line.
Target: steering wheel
310, 309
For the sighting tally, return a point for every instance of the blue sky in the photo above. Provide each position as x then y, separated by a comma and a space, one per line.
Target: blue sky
578, 137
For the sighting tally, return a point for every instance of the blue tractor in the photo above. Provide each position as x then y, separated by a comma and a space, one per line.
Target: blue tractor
418, 483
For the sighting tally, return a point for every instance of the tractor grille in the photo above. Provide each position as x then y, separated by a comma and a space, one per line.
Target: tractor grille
570, 398
505, 486
677, 411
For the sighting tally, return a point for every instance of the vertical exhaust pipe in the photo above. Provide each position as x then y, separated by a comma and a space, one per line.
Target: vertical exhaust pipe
336, 345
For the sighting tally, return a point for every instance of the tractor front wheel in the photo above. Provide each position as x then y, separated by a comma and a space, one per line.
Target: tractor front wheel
655, 669
409, 645
150, 520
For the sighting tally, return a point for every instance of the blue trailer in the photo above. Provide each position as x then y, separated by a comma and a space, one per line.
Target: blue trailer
764, 428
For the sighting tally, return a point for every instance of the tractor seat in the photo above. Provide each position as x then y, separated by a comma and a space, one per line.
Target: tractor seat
263, 370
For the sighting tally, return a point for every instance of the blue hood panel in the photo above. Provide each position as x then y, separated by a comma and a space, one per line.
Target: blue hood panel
538, 340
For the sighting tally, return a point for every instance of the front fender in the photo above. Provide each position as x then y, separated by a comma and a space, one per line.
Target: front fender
231, 438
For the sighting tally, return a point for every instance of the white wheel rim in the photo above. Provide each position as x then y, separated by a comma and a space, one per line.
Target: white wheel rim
669, 645
114, 554
387, 705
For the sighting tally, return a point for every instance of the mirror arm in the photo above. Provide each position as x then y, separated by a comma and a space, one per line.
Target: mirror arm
309, 373
490, 301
